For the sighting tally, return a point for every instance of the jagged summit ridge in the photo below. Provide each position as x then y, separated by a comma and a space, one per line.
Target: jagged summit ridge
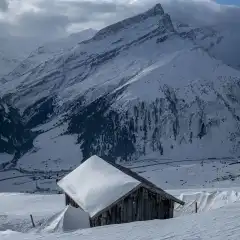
156, 10
80, 63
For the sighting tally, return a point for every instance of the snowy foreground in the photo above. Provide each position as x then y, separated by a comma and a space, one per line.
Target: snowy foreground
218, 218
213, 184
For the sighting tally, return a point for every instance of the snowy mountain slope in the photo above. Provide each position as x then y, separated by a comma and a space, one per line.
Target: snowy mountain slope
59, 46
13, 50
7, 64
138, 88
65, 72
220, 41
213, 25
228, 48
15, 56
15, 139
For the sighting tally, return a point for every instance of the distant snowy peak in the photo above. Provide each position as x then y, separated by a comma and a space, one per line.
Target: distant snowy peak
6, 65
218, 32
64, 44
85, 34
13, 50
46, 52
84, 59
157, 10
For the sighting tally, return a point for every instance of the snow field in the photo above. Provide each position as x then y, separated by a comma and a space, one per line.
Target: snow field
217, 224
50, 215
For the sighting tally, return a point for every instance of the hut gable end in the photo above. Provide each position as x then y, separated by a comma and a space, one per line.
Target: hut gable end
141, 204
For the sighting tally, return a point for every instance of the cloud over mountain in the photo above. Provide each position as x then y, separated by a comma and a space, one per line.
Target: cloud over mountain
52, 19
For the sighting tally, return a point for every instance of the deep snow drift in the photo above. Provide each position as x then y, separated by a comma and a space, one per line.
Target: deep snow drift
69, 219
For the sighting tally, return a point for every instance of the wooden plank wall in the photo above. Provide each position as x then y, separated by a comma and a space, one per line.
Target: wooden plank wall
138, 206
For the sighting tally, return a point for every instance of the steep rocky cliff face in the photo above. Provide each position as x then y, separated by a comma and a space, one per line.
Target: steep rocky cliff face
140, 88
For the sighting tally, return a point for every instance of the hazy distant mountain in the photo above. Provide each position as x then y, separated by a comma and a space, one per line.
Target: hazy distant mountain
16, 52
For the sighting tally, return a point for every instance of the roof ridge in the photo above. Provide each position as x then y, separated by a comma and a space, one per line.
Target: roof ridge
143, 180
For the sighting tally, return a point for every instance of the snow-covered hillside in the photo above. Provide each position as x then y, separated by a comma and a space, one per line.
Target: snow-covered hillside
141, 88
15, 139
7, 64
21, 54
13, 50
214, 26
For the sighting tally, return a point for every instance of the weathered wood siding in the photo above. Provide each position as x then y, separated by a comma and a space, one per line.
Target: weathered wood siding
140, 205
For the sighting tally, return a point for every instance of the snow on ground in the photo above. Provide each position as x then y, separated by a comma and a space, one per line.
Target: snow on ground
189, 173
4, 157
218, 203
23, 203
69, 219
206, 199
56, 121
219, 223
52, 150
15, 210
12, 181
166, 173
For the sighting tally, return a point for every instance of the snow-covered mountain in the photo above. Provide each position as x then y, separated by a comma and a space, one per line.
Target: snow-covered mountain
145, 86
215, 26
21, 54
7, 64
12, 52
219, 41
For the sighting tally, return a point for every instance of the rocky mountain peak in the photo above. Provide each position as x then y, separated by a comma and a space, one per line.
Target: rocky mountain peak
166, 22
157, 10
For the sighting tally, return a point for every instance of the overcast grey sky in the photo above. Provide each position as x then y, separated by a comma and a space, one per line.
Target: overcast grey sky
56, 18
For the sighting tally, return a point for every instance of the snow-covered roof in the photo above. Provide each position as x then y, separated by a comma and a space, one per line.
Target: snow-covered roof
96, 184
147, 184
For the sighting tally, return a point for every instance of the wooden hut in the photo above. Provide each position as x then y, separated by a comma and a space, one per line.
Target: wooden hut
111, 194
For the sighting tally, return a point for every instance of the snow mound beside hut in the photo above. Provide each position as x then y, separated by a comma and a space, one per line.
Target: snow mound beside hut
70, 219
206, 199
